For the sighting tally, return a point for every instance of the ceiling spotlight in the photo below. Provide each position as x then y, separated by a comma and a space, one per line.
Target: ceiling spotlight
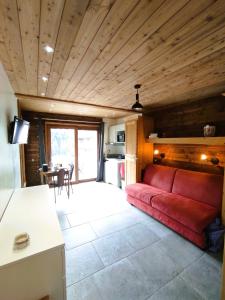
42, 94
137, 106
44, 78
48, 49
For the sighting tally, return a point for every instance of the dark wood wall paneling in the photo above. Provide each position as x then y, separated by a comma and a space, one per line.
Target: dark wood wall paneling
188, 157
188, 120
32, 155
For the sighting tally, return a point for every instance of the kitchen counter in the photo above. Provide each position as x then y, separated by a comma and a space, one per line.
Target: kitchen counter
115, 159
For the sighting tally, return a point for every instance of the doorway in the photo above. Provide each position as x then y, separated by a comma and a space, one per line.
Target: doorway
71, 144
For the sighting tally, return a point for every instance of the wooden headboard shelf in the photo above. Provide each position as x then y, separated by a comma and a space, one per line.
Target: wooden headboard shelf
217, 141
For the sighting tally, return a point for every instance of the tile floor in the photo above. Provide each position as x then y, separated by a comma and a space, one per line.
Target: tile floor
116, 252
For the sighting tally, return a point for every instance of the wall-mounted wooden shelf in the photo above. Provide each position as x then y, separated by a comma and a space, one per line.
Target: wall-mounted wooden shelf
189, 140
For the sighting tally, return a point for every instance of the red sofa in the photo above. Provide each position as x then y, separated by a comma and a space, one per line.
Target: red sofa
185, 201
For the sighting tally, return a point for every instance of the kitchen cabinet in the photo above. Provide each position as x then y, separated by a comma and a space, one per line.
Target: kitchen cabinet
112, 134
138, 152
113, 129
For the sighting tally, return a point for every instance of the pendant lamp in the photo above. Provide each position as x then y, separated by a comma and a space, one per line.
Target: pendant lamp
137, 106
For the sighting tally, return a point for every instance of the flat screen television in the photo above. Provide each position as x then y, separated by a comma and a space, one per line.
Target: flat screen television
19, 131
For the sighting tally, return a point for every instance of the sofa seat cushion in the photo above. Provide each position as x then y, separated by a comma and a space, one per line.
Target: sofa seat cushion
193, 214
142, 191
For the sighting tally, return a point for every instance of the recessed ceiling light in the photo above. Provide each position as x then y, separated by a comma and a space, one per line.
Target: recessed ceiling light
48, 49
44, 78
42, 94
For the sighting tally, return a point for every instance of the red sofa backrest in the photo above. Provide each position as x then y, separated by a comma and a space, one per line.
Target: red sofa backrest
203, 187
159, 176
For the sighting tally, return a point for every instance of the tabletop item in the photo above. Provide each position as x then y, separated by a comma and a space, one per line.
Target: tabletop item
22, 238
45, 167
21, 241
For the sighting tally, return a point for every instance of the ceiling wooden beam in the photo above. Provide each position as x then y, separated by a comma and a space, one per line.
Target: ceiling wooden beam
33, 97
30, 115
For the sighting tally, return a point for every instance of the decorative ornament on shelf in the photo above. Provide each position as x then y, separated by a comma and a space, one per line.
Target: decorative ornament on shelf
209, 130
137, 105
153, 135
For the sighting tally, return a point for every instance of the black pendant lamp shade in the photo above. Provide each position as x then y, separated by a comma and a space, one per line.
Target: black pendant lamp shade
137, 106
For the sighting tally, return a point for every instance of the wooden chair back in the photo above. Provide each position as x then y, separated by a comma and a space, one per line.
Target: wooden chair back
61, 177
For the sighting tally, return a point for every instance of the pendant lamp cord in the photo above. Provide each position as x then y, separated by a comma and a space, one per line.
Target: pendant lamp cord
137, 96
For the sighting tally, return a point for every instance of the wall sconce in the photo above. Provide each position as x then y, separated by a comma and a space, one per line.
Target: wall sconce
158, 156
203, 157
213, 160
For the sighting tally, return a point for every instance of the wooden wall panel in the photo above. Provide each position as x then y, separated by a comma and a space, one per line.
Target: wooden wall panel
32, 156
188, 157
188, 120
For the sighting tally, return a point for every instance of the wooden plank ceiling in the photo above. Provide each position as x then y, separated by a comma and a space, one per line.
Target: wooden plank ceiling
175, 49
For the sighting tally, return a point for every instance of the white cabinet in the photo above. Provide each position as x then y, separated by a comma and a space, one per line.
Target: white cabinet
112, 171
112, 134
37, 270
120, 127
113, 129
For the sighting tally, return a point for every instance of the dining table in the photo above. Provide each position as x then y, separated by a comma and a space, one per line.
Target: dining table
47, 176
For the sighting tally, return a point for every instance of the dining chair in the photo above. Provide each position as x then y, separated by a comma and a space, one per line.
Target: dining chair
58, 182
71, 175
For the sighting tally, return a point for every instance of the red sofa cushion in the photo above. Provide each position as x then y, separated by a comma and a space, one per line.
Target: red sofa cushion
193, 214
142, 191
199, 186
160, 177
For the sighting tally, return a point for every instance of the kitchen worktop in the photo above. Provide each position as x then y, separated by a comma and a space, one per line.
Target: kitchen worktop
115, 159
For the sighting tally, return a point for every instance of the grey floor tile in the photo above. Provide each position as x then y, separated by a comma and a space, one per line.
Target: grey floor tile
139, 236
83, 290
78, 235
78, 218
158, 228
81, 262
64, 224
113, 223
141, 215
205, 277
120, 282
113, 248
180, 250
177, 289
155, 268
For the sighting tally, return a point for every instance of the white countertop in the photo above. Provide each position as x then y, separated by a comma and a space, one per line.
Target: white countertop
30, 210
116, 160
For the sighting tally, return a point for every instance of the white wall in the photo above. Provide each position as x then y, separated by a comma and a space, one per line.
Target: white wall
9, 154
